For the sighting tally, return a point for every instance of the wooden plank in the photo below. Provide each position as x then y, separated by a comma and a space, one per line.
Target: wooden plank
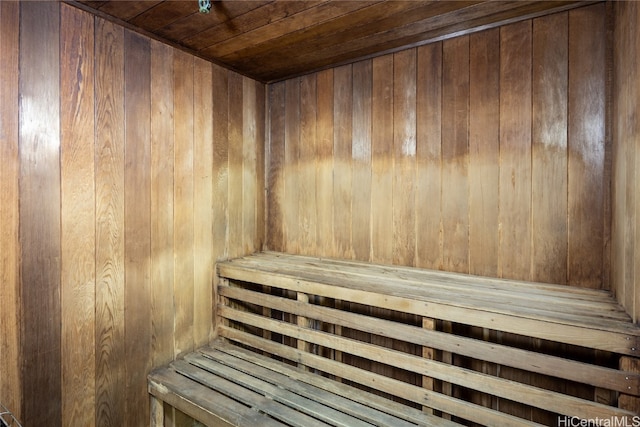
276, 173
137, 225
39, 137
484, 157
261, 194
381, 159
250, 143
586, 145
515, 151
110, 252
220, 92
455, 154
324, 162
522, 359
307, 204
379, 382
292, 170
78, 234
549, 149
626, 401
203, 202
620, 339
162, 203
342, 167
428, 156
404, 157
526, 394
361, 159
236, 165
183, 211
10, 363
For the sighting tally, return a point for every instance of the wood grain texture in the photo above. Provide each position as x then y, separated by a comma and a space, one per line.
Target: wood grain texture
381, 162
404, 157
40, 213
515, 151
306, 203
78, 231
324, 166
455, 154
162, 203
586, 146
220, 93
276, 156
10, 341
137, 225
183, 216
549, 149
292, 169
110, 252
361, 158
429, 157
235, 142
342, 151
249, 166
203, 202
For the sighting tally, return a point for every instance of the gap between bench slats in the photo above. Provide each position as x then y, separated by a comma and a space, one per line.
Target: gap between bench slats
528, 395
594, 375
616, 337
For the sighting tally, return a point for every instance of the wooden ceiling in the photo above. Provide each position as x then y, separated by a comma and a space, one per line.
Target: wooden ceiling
276, 40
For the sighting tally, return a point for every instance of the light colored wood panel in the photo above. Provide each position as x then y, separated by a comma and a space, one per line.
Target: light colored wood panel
235, 146
183, 216
586, 146
404, 157
204, 256
484, 152
290, 206
276, 173
137, 226
549, 149
78, 234
324, 162
429, 157
307, 202
381, 159
361, 158
455, 154
220, 93
515, 151
110, 253
220, 164
342, 166
249, 166
261, 147
162, 203
636, 147
39, 135
10, 376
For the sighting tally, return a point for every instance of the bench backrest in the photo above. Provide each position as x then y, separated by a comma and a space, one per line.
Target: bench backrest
378, 328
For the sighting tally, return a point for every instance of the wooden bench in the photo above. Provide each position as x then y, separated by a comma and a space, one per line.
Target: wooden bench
313, 342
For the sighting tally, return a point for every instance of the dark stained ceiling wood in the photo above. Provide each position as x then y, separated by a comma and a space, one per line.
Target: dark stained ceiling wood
276, 40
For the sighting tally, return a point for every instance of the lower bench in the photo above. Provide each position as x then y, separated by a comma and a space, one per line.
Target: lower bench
314, 342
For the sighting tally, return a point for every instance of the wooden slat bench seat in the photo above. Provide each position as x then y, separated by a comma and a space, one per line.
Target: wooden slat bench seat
304, 341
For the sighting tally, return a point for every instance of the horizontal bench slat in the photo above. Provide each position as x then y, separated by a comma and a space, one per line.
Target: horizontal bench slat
529, 395
598, 376
623, 338
366, 402
385, 384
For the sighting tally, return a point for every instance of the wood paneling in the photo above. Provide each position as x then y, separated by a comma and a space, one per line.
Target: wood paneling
10, 320
453, 155
626, 156
119, 167
78, 216
40, 215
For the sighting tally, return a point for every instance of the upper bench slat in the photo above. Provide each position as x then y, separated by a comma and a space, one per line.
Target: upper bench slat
490, 306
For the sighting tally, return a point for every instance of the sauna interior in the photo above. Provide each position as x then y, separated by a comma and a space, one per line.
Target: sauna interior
130, 165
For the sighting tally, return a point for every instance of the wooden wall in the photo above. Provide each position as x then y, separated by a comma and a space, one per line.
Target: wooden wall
626, 156
127, 168
484, 153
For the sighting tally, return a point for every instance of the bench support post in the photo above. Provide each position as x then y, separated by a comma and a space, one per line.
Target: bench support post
157, 412
625, 401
